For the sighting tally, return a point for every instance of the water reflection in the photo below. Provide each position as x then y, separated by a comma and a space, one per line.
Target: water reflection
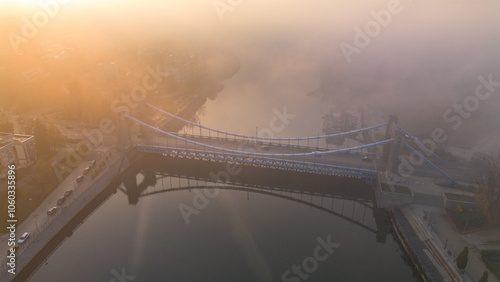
259, 226
344, 198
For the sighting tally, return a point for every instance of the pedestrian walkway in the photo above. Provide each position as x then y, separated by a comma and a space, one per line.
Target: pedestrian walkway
443, 263
415, 243
451, 242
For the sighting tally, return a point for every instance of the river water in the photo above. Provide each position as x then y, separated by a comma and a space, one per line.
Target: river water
183, 232
236, 232
163, 225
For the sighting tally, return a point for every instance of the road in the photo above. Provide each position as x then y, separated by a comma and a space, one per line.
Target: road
39, 217
339, 159
460, 171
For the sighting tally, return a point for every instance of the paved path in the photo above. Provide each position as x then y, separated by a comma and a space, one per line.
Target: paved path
428, 209
415, 243
451, 242
38, 219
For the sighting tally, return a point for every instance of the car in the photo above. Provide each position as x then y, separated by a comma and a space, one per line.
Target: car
79, 178
92, 163
317, 153
264, 148
61, 200
366, 159
86, 171
67, 193
12, 249
23, 238
52, 211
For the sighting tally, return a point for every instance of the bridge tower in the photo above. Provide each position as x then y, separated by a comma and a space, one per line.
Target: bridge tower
123, 140
134, 189
391, 149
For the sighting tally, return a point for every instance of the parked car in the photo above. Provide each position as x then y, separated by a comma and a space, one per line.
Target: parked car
79, 178
61, 200
23, 238
92, 163
52, 211
67, 193
86, 171
366, 159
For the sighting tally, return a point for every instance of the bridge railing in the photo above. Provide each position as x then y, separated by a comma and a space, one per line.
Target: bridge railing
261, 161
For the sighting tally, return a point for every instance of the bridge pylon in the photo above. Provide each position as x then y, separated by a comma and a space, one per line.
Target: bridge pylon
391, 149
123, 140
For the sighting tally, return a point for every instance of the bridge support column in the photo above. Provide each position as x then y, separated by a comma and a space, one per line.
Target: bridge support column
124, 140
391, 149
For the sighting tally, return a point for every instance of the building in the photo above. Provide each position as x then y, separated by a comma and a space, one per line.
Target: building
16, 149
336, 122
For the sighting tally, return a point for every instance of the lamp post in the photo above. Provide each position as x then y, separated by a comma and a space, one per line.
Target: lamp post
467, 221
36, 224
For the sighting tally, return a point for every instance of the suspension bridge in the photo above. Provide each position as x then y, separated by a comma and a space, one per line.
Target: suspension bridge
310, 154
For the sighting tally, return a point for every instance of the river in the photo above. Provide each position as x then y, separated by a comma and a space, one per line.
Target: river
184, 232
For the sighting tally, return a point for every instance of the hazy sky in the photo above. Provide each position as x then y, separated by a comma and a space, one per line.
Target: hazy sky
427, 57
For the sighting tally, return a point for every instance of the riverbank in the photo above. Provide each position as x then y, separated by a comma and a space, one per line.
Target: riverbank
47, 227
431, 239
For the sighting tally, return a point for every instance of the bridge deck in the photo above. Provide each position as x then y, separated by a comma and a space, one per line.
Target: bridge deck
352, 159
340, 164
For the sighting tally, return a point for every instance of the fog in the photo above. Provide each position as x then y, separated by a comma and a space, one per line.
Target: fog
427, 58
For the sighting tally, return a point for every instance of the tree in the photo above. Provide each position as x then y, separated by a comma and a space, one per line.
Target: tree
56, 138
463, 258
41, 138
44, 173
484, 278
488, 187
47, 138
7, 127
76, 97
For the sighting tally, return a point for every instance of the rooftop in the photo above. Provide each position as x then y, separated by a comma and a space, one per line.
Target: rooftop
7, 138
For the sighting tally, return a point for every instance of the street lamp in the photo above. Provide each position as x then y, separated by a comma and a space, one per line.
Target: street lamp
467, 221
36, 224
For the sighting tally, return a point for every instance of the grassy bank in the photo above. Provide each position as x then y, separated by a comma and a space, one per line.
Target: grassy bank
395, 188
492, 260
33, 185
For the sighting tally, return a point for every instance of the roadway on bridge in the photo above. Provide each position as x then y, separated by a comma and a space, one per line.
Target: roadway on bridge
460, 171
352, 160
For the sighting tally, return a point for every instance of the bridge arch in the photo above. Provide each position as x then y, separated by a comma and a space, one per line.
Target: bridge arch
284, 194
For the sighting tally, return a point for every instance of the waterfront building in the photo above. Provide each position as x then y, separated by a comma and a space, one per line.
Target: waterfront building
16, 149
